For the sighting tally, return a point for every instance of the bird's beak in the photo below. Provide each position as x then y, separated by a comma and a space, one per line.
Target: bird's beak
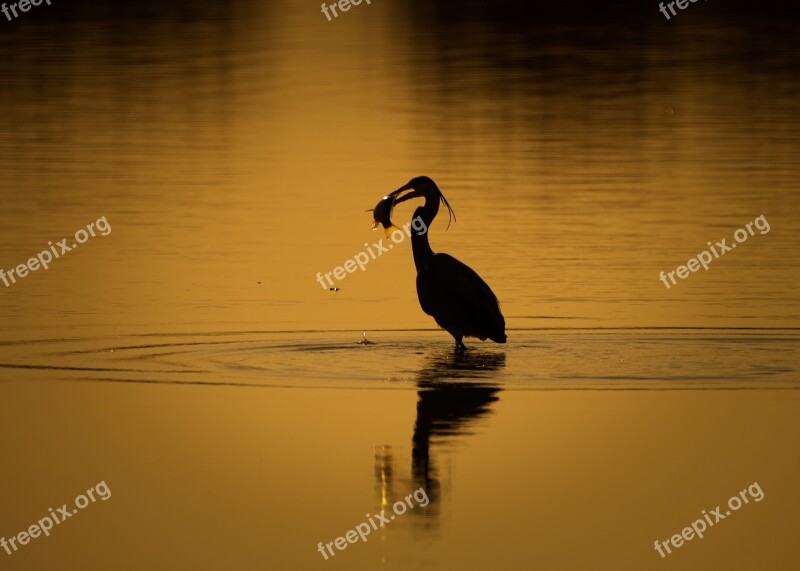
405, 197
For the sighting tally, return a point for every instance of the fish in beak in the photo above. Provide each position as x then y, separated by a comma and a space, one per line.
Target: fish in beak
382, 213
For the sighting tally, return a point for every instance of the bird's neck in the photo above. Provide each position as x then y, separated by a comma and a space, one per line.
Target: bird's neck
419, 242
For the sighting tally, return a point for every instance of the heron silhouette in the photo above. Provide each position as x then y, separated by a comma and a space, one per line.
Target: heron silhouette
449, 291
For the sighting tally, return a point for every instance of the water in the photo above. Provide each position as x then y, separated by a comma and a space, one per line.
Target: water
191, 360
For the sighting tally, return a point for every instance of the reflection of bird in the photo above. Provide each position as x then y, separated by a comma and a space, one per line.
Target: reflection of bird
449, 291
455, 391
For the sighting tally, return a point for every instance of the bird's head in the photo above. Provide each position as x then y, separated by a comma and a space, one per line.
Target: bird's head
423, 187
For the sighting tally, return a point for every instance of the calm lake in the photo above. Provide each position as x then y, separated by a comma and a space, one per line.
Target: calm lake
189, 358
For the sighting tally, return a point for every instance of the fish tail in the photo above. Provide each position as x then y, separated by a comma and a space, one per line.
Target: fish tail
390, 229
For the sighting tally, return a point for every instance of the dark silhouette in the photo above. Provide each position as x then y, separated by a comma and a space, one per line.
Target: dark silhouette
449, 291
455, 391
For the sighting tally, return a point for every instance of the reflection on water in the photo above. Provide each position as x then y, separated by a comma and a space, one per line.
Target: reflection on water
448, 406
455, 389
234, 147
600, 359
581, 159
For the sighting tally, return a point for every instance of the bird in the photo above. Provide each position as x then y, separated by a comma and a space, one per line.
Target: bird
451, 292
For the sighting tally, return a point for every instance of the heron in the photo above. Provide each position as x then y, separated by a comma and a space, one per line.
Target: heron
451, 292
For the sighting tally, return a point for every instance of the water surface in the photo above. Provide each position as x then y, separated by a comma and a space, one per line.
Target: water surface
191, 360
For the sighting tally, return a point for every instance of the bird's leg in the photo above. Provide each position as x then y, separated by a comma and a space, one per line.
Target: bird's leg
459, 343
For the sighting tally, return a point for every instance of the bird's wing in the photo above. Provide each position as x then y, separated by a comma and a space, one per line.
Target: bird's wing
451, 291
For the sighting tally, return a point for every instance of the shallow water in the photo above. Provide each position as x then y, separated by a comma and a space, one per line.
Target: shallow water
559, 359
190, 359
234, 162
248, 449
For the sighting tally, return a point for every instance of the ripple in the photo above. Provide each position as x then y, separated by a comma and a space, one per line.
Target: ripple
533, 359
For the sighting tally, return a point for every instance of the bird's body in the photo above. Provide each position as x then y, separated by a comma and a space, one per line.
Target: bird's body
459, 300
449, 291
